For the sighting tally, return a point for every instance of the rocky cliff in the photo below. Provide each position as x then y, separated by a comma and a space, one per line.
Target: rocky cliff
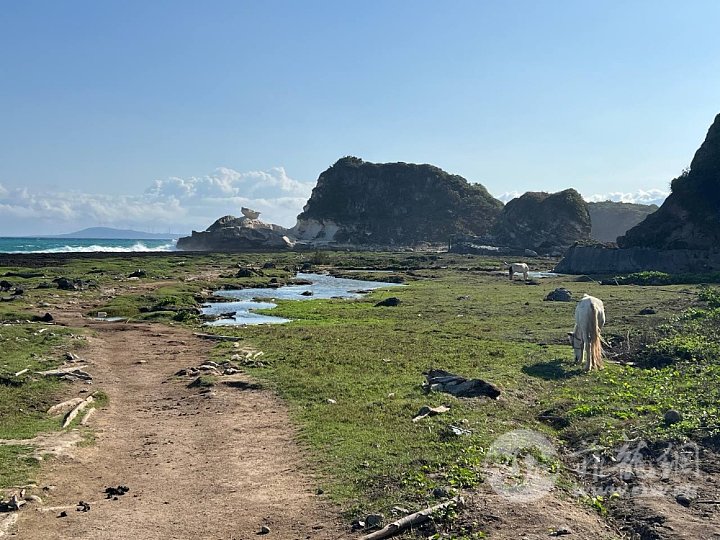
230, 233
690, 217
543, 222
361, 203
612, 219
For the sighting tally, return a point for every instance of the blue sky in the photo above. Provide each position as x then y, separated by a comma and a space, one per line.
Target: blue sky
167, 114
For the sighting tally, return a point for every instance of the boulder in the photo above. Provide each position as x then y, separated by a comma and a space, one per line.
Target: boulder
561, 294
547, 223
389, 204
230, 233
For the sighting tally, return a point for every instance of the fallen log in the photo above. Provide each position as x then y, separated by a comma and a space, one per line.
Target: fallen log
60, 371
217, 337
412, 520
69, 404
21, 372
77, 410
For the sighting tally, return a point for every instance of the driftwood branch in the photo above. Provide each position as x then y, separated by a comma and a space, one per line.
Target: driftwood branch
77, 410
87, 416
69, 404
217, 337
61, 371
411, 520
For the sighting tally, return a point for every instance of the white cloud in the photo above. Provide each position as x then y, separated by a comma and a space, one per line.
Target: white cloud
174, 204
509, 196
650, 196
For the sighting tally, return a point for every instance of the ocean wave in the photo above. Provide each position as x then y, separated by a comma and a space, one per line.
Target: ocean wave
136, 247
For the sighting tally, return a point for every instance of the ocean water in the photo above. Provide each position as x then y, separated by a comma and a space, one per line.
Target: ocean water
81, 245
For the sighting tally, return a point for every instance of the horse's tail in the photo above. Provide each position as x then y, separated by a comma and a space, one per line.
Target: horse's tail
595, 341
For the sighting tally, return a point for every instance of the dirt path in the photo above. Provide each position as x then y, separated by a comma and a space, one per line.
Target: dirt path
218, 465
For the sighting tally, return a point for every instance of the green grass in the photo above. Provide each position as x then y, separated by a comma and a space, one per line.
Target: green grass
458, 313
371, 362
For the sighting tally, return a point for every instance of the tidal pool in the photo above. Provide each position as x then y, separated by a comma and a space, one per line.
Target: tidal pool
243, 301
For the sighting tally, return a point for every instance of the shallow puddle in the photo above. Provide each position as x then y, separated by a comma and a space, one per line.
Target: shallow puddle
242, 302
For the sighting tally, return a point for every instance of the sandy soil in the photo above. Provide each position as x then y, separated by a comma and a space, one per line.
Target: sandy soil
218, 465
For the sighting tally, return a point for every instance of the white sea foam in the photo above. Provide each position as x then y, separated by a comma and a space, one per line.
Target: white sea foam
136, 247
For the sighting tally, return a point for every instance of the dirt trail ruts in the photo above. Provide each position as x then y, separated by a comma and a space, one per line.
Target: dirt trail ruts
216, 466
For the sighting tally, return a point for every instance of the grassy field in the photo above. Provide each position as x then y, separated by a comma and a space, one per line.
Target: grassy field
352, 372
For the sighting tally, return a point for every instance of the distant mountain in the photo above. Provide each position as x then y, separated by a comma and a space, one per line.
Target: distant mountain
107, 233
612, 219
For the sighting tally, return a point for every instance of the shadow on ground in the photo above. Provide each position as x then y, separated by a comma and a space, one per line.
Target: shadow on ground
551, 371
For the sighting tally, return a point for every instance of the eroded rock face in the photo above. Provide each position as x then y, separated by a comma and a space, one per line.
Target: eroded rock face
690, 217
543, 222
355, 202
230, 233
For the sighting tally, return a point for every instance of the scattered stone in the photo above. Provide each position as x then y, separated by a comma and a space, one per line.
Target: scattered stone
245, 273
62, 514
401, 510
33, 498
561, 294
138, 274
82, 506
561, 531
268, 265
648, 311
464, 297
111, 492
18, 291
672, 417
357, 525
306, 293
389, 302
438, 380
683, 500
200, 383
441, 493
42, 318
5, 285
331, 401
373, 521
64, 284
264, 530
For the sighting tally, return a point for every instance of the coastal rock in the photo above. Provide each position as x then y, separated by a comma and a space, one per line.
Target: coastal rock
609, 259
230, 233
361, 203
689, 217
543, 222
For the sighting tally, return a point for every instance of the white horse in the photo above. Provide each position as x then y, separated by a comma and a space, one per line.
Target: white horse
519, 268
585, 338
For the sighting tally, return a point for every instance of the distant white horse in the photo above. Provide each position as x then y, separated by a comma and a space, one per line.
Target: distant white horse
585, 338
519, 268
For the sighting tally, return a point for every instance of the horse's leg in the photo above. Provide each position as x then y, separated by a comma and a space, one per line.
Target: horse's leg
525, 275
587, 352
510, 272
